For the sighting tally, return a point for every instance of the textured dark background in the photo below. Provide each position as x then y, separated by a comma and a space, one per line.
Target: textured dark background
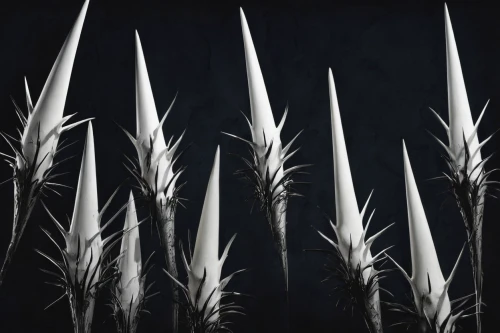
388, 61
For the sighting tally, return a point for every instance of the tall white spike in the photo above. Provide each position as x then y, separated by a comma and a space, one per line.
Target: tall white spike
130, 265
48, 111
425, 263
147, 122
207, 239
262, 115
458, 104
86, 211
206, 251
349, 224
146, 115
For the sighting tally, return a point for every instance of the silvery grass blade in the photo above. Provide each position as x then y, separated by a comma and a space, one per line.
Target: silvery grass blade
154, 170
84, 267
205, 289
129, 290
272, 183
33, 154
356, 272
432, 307
467, 176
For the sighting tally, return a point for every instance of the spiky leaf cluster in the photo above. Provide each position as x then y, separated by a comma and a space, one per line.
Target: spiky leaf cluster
209, 316
127, 318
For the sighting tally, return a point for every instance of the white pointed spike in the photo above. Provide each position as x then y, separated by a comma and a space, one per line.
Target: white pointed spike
84, 229
226, 251
130, 265
444, 294
148, 128
328, 239
206, 250
86, 211
29, 104
425, 263
262, 115
49, 109
361, 243
349, 222
363, 211
73, 125
424, 257
282, 122
458, 103
476, 126
441, 121
372, 239
146, 115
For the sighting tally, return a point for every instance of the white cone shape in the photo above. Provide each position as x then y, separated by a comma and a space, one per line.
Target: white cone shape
458, 105
47, 114
349, 220
129, 289
206, 250
149, 128
85, 220
425, 264
262, 115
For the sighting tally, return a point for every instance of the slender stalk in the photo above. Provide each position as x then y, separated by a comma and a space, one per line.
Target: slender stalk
24, 202
166, 225
472, 215
82, 310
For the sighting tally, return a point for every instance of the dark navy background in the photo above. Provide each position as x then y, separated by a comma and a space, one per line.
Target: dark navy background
388, 60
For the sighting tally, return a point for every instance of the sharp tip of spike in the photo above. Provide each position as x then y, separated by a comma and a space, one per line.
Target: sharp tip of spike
137, 38
242, 17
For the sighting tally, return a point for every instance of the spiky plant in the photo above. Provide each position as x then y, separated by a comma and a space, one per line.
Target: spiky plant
467, 176
359, 278
84, 267
129, 291
271, 182
35, 150
205, 290
432, 307
154, 168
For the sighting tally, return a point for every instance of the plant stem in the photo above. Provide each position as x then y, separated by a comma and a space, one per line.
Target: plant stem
472, 214
372, 314
25, 198
82, 310
166, 227
278, 227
